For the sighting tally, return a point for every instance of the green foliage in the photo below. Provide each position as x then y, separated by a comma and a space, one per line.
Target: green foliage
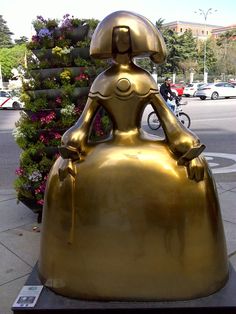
41, 23
145, 63
21, 40
92, 23
11, 58
171, 40
180, 48
159, 23
5, 34
226, 53
53, 78
186, 54
80, 62
210, 56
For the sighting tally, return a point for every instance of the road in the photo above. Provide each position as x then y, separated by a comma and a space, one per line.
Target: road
213, 121
9, 150
215, 124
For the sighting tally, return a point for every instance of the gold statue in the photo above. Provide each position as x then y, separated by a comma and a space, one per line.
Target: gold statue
131, 218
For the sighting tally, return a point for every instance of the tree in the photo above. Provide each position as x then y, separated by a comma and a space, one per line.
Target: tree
21, 40
210, 56
159, 23
189, 55
174, 51
179, 50
5, 34
11, 58
227, 52
145, 63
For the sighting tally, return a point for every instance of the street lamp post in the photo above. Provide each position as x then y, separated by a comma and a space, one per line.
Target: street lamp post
205, 14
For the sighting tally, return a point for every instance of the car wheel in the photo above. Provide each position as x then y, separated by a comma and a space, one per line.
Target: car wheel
214, 96
202, 97
16, 105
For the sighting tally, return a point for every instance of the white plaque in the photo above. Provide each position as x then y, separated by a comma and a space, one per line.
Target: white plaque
28, 296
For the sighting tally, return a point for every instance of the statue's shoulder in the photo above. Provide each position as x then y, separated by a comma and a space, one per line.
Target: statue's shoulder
101, 83
144, 79
136, 79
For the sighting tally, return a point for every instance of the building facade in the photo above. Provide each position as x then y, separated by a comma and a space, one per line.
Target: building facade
201, 31
220, 30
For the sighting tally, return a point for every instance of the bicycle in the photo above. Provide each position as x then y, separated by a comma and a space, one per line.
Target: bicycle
154, 123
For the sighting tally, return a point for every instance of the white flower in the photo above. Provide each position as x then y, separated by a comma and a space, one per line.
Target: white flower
17, 133
35, 176
68, 110
66, 50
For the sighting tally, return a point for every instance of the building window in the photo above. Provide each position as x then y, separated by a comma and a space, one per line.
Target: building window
202, 32
181, 30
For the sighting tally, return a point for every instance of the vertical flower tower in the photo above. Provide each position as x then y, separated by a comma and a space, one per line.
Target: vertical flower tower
55, 88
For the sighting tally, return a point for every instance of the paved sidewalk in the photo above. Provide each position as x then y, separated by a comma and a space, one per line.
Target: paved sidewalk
20, 237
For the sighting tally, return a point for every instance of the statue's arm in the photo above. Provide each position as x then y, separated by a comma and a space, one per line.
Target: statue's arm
179, 138
182, 142
74, 141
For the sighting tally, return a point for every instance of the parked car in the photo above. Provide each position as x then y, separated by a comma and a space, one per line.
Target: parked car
177, 87
216, 90
191, 88
8, 101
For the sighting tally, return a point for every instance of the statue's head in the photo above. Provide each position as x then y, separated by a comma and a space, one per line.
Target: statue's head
124, 31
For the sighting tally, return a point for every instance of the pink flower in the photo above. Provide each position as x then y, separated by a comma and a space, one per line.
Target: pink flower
47, 119
19, 171
58, 100
57, 136
81, 77
43, 139
40, 202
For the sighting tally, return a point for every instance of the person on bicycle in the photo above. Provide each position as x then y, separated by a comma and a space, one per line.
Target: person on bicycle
167, 94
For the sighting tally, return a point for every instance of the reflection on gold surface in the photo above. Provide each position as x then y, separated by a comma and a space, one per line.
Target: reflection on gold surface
131, 218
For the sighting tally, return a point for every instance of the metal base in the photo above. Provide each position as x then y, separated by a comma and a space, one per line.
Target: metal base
223, 301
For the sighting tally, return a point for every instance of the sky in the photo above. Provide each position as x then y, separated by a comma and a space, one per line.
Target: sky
19, 14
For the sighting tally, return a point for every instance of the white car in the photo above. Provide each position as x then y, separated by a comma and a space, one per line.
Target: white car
216, 90
7, 101
191, 88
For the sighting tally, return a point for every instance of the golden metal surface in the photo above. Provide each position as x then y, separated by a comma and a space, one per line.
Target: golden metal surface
131, 218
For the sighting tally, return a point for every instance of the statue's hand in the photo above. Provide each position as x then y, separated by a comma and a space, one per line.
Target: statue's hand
195, 169
191, 154
67, 152
194, 163
181, 145
66, 168
72, 146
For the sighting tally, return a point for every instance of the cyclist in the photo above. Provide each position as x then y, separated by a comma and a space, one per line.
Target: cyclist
167, 94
